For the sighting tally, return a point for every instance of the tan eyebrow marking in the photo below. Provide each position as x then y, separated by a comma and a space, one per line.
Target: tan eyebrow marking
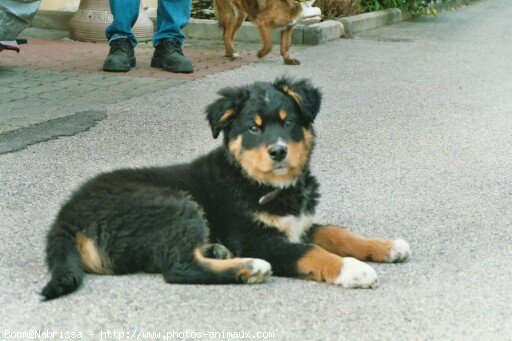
227, 115
283, 115
258, 120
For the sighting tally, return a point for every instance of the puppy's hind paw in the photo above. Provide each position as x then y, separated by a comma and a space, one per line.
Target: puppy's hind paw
254, 271
217, 251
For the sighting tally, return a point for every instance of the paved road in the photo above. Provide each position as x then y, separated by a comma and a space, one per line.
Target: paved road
414, 142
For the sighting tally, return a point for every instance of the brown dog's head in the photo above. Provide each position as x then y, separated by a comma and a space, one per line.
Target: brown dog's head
268, 128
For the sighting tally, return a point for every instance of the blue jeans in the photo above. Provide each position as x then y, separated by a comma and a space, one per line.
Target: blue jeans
172, 16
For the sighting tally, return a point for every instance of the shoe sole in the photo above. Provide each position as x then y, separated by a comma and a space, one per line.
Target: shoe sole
158, 63
133, 63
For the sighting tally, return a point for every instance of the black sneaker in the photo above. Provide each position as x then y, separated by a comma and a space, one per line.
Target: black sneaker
169, 56
121, 57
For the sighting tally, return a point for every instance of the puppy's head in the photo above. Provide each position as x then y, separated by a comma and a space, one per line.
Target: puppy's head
268, 128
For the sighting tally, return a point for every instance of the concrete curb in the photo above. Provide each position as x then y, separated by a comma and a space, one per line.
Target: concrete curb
373, 20
313, 34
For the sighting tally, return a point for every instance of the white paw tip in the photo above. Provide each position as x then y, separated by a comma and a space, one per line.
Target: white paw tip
260, 271
356, 274
260, 265
400, 251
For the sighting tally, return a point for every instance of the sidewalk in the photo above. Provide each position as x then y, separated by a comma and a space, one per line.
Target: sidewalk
66, 55
52, 79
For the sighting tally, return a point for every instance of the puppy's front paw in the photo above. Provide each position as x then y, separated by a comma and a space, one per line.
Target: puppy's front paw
254, 271
399, 251
356, 274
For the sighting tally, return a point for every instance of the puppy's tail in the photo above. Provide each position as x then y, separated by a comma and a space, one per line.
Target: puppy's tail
64, 262
202, 270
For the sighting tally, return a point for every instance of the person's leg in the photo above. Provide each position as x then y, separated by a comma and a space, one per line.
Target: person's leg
125, 14
172, 17
121, 57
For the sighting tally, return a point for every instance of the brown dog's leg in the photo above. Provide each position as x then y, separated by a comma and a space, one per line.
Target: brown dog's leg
286, 41
344, 243
228, 40
266, 37
226, 15
240, 18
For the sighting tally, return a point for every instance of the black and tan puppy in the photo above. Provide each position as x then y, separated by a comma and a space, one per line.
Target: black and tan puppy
267, 15
228, 217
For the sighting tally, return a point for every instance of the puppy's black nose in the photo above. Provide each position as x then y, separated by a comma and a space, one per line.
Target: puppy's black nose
278, 152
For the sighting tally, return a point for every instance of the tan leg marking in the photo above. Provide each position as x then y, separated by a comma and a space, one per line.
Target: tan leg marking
246, 270
344, 243
92, 260
320, 265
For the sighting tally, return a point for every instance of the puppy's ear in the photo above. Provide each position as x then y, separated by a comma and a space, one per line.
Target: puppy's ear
220, 114
307, 97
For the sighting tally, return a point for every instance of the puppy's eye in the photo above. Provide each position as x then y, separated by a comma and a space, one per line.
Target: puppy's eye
254, 129
289, 123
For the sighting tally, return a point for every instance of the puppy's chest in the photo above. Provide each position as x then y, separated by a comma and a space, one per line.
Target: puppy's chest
293, 226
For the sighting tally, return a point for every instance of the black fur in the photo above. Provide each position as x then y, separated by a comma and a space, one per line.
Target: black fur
152, 219
311, 96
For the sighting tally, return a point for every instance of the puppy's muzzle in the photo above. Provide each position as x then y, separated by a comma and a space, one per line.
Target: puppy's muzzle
278, 152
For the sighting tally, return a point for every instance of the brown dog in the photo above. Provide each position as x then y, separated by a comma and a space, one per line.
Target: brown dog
267, 15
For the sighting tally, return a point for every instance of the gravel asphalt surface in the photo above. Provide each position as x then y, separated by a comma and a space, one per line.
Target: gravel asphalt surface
414, 141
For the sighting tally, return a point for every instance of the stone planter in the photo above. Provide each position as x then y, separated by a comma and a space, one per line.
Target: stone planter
93, 17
